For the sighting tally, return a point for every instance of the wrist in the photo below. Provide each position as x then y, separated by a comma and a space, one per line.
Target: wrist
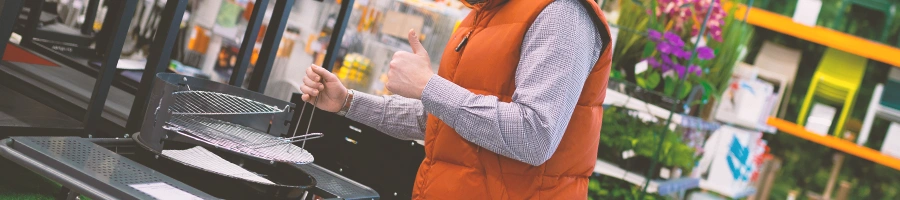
345, 106
424, 86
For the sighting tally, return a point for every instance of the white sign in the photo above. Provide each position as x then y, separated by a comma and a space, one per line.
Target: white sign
891, 145
807, 12
728, 165
163, 191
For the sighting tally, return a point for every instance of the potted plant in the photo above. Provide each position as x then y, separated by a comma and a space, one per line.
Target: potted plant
630, 142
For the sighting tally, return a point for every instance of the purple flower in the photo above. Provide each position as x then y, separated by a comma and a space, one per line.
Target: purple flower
667, 60
674, 39
680, 70
654, 35
665, 48
683, 54
696, 70
653, 63
705, 53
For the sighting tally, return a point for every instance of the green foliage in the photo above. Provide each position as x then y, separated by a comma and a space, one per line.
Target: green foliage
732, 48
631, 41
605, 187
623, 132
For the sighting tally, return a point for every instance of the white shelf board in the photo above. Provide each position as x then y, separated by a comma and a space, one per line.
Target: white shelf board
618, 99
727, 191
662, 186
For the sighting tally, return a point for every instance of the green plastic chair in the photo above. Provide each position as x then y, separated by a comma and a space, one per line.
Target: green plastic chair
885, 6
836, 81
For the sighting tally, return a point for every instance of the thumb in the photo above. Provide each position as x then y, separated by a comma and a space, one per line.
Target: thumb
417, 47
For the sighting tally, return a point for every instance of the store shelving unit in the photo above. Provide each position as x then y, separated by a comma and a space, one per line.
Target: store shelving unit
835, 143
820, 35
733, 194
662, 187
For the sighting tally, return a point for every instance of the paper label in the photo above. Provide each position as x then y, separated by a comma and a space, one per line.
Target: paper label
820, 119
628, 154
640, 67
807, 12
161, 190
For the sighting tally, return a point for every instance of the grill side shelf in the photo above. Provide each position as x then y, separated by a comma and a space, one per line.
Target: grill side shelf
88, 168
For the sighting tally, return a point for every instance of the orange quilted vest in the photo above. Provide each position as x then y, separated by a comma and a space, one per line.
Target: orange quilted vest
455, 168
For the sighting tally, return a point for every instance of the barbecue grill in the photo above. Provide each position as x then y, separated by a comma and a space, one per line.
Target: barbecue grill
197, 138
209, 128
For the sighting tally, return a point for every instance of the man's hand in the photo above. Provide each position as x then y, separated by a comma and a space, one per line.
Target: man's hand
332, 92
409, 72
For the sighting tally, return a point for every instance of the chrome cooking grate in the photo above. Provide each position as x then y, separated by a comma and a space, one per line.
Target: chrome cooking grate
240, 139
214, 103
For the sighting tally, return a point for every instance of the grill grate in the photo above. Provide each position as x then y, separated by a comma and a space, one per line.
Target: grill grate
214, 103
237, 138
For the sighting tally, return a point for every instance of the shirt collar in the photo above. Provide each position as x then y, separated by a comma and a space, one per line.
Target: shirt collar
484, 4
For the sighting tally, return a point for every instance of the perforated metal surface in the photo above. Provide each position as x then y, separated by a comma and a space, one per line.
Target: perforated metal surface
100, 163
93, 158
239, 139
338, 185
214, 103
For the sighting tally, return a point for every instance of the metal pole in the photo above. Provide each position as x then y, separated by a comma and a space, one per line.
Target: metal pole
95, 107
269, 49
243, 58
337, 34
89, 17
158, 60
8, 17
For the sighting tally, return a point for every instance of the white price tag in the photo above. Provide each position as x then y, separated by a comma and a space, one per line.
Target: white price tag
628, 154
161, 190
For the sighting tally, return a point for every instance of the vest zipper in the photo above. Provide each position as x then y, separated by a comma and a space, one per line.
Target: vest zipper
465, 40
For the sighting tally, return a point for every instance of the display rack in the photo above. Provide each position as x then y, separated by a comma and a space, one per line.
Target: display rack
817, 34
104, 75
662, 187
733, 194
835, 143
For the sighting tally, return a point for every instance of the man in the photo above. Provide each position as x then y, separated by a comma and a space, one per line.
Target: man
514, 111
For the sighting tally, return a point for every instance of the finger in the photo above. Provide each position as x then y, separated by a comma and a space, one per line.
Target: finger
325, 74
305, 97
308, 90
311, 83
417, 47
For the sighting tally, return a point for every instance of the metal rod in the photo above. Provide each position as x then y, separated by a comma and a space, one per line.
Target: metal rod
297, 125
290, 140
95, 107
157, 61
8, 17
309, 124
243, 58
303, 137
269, 48
89, 17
